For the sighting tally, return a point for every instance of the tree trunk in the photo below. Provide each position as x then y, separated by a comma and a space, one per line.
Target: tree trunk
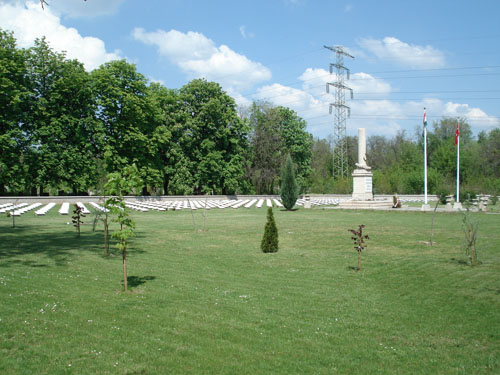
359, 260
106, 241
124, 265
472, 247
41, 190
165, 185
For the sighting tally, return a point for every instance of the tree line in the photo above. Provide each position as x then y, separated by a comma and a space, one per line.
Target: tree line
63, 130
398, 163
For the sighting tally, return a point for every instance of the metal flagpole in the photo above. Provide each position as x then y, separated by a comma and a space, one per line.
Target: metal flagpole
457, 134
425, 157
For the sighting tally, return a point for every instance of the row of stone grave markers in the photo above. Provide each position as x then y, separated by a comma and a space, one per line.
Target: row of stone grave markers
144, 206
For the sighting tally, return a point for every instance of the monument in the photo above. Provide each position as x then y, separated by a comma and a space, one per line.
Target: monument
362, 176
362, 181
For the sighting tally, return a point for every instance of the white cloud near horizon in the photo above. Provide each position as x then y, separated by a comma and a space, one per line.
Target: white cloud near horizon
404, 54
382, 116
198, 56
30, 21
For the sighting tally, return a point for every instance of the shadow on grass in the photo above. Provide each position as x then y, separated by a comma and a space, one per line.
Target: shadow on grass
293, 209
352, 268
135, 281
463, 262
58, 245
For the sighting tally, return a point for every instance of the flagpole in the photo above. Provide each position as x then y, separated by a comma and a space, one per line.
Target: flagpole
458, 164
425, 158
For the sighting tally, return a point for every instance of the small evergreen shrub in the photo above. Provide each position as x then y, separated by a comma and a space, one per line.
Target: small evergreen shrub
289, 189
269, 242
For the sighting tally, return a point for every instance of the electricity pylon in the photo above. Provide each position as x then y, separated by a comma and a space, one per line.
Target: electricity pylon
342, 112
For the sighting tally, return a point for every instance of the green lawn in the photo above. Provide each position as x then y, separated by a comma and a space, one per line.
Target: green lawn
211, 302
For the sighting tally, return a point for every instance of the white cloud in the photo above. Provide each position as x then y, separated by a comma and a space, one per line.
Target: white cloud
77, 8
362, 84
198, 56
246, 34
404, 54
30, 21
348, 8
382, 116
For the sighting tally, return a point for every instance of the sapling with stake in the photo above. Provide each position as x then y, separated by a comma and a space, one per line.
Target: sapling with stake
359, 241
77, 218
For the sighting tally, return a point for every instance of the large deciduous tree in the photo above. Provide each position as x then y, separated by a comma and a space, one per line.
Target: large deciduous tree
124, 113
12, 98
214, 139
60, 122
276, 132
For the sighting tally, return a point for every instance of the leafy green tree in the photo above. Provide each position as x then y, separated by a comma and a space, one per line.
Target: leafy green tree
298, 144
489, 152
289, 189
276, 132
321, 179
60, 122
41, 122
269, 243
125, 120
214, 138
266, 148
13, 90
117, 186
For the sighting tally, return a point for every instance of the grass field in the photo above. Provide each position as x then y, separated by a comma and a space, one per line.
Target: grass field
211, 302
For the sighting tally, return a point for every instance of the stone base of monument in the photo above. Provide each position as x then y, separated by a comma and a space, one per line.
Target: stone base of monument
372, 204
457, 206
362, 185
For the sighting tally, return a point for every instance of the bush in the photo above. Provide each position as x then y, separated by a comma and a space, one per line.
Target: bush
466, 196
269, 242
442, 193
289, 190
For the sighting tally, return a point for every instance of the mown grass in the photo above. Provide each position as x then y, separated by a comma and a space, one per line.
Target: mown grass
211, 302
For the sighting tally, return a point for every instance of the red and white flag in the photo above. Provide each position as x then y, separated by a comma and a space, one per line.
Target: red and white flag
457, 134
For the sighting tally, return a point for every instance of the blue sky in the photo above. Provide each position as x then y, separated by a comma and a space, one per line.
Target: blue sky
442, 55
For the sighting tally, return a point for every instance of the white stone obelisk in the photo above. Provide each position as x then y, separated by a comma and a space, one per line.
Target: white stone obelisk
362, 175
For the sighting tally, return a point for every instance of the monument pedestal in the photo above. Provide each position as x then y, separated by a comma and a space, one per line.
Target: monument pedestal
362, 182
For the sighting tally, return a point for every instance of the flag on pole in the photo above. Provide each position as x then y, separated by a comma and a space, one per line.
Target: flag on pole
425, 123
457, 134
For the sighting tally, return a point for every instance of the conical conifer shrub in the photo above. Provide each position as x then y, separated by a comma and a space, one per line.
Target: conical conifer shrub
289, 189
269, 242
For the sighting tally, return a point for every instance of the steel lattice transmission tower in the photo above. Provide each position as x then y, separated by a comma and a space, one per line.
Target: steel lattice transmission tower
342, 112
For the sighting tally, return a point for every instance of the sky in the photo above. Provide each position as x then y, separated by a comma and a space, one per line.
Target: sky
408, 55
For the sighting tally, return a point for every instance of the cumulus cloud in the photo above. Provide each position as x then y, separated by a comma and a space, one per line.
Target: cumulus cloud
76, 8
374, 110
30, 21
401, 53
198, 56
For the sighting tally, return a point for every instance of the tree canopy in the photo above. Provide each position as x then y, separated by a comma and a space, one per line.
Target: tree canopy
63, 130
